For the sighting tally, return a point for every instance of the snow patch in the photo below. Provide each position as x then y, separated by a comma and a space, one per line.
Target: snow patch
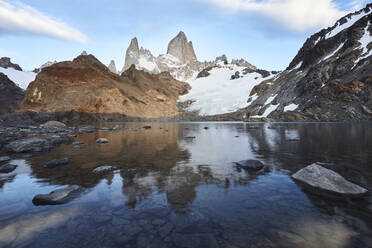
270, 99
291, 107
334, 52
268, 111
218, 94
21, 78
298, 66
364, 41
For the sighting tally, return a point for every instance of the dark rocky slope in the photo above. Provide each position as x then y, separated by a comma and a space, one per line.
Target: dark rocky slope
10, 95
330, 79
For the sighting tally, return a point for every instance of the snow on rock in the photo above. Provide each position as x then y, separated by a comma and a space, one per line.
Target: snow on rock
291, 107
270, 99
268, 111
334, 52
218, 94
364, 41
298, 66
21, 78
350, 22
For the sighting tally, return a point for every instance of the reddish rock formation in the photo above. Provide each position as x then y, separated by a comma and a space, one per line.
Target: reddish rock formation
86, 85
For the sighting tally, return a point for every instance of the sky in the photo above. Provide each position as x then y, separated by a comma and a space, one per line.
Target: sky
267, 33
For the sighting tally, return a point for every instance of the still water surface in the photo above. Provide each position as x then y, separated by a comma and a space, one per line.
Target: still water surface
171, 190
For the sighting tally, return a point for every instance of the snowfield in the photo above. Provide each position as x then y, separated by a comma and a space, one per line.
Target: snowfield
218, 94
21, 78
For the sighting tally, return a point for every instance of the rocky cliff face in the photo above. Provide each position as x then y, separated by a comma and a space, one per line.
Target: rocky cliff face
86, 85
10, 95
181, 48
330, 79
6, 63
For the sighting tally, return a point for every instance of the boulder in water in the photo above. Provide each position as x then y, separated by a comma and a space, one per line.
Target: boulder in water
320, 180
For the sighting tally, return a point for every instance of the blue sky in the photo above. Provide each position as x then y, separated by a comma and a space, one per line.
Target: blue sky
267, 33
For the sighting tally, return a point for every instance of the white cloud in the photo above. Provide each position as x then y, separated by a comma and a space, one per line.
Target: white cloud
18, 18
297, 15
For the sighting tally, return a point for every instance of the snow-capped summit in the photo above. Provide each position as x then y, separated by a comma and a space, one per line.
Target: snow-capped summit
112, 67
181, 48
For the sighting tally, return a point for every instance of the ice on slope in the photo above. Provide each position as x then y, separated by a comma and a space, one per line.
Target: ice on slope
290, 107
218, 94
350, 22
334, 52
268, 111
21, 78
364, 41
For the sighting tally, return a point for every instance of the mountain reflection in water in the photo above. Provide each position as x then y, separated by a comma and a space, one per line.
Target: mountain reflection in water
172, 190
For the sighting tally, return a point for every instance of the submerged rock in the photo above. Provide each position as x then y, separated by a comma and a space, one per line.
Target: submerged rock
7, 168
322, 181
59, 196
29, 145
53, 124
78, 143
104, 168
102, 141
249, 164
146, 127
5, 158
57, 162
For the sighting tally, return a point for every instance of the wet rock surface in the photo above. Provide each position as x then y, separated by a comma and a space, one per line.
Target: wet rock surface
57, 162
322, 181
249, 164
102, 141
59, 196
7, 168
104, 168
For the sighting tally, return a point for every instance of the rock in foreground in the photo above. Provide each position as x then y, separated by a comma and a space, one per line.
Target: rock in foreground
104, 168
53, 124
29, 145
324, 181
59, 196
249, 164
102, 141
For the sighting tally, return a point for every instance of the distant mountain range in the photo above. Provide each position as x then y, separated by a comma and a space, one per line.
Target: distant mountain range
330, 79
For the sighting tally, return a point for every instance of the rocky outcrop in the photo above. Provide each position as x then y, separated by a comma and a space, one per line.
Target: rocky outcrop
47, 64
6, 63
323, 181
10, 95
86, 85
112, 67
131, 55
181, 48
330, 79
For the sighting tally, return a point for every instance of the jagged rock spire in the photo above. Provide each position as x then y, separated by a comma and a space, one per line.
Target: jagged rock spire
181, 48
132, 54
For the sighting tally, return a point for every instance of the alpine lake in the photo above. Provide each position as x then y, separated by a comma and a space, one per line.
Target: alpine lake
177, 185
